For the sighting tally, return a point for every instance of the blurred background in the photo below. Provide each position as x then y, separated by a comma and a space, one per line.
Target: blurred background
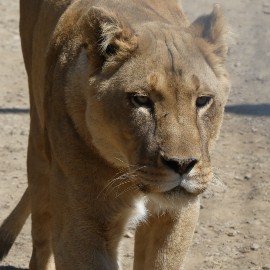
233, 232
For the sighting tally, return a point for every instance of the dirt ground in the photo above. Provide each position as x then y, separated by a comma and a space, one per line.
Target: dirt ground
233, 231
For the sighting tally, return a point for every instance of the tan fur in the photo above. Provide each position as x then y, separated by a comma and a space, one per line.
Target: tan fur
96, 158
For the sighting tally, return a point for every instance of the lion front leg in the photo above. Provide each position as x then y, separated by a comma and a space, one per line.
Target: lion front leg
38, 178
72, 254
163, 241
41, 258
84, 235
79, 245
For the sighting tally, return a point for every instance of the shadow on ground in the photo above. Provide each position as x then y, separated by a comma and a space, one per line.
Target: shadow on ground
249, 109
242, 109
11, 268
13, 111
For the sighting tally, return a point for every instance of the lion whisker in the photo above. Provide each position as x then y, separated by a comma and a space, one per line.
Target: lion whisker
125, 182
121, 177
111, 187
131, 188
128, 164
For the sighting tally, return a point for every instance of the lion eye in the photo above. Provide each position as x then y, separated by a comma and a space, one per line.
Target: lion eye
141, 101
203, 101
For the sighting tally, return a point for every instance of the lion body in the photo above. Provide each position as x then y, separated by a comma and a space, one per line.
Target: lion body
89, 148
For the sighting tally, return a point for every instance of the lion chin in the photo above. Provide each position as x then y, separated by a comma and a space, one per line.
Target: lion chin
127, 100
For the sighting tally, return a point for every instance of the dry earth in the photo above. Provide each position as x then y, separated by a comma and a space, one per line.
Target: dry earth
233, 232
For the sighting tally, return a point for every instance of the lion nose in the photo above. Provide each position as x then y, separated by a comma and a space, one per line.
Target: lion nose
181, 166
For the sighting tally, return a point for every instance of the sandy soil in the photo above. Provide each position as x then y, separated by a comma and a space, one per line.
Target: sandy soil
233, 232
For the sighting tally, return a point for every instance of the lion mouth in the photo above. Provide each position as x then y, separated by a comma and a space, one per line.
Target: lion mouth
173, 184
183, 187
181, 190
177, 189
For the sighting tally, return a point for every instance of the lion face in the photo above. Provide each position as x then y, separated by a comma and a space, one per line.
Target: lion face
157, 110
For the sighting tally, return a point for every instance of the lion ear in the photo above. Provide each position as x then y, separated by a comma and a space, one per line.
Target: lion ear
212, 29
106, 35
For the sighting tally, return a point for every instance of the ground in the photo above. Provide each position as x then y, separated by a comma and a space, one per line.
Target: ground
233, 231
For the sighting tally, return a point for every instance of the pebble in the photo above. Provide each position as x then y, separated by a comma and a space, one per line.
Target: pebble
129, 255
259, 78
206, 195
244, 249
266, 267
248, 176
254, 247
128, 235
232, 234
238, 178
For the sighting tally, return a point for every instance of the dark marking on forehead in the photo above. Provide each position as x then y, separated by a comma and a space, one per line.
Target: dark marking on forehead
170, 55
173, 55
196, 81
156, 84
153, 81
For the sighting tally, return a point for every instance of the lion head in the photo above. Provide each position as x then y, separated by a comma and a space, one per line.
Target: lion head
148, 96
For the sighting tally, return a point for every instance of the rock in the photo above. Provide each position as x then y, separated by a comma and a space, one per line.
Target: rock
254, 247
266, 267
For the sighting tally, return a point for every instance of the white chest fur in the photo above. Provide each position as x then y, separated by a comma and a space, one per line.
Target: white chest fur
139, 213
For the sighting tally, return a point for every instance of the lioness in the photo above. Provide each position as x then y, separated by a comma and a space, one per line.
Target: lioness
127, 99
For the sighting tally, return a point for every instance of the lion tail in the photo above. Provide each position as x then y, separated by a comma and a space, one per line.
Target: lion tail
13, 224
